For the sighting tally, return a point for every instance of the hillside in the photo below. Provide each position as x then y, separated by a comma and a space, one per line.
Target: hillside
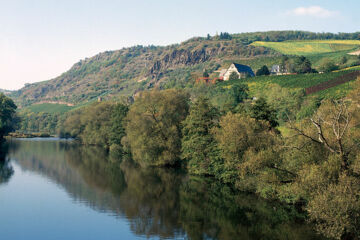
129, 70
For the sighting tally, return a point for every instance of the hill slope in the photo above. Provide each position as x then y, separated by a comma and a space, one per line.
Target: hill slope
127, 71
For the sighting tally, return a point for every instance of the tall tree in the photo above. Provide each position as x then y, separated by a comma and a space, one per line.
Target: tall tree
261, 110
154, 127
246, 146
198, 144
118, 115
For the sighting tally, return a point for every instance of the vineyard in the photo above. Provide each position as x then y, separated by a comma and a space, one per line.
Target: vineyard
325, 85
332, 83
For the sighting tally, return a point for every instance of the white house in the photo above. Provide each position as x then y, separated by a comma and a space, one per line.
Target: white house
242, 71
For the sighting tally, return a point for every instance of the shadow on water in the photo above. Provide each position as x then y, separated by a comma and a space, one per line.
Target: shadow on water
158, 202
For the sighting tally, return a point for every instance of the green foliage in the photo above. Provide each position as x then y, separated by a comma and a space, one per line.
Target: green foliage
199, 149
244, 155
264, 70
7, 114
324, 151
298, 64
154, 127
41, 122
336, 209
117, 133
262, 111
99, 124
227, 98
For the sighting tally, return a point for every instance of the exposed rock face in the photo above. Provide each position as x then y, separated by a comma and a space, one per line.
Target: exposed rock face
180, 57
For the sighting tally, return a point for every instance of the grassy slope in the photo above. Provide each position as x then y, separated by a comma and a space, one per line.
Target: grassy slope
310, 47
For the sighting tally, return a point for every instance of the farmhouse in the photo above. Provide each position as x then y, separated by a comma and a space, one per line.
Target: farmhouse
242, 70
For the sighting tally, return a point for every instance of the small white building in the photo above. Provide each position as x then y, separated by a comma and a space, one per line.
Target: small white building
242, 70
278, 70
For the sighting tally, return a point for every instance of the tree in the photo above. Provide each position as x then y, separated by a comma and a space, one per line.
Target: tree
334, 128
246, 146
7, 114
234, 76
97, 124
117, 133
329, 175
298, 64
198, 144
301, 65
262, 111
336, 209
264, 70
154, 127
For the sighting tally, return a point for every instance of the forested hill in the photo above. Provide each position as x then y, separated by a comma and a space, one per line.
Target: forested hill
129, 70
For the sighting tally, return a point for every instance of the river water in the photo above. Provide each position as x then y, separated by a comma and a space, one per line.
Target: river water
56, 189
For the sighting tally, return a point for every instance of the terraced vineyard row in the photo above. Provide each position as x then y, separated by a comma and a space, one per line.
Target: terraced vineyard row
332, 83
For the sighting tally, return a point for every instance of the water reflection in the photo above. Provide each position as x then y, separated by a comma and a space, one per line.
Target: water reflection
6, 170
157, 202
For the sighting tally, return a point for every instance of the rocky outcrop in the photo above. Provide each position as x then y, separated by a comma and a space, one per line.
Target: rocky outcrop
182, 57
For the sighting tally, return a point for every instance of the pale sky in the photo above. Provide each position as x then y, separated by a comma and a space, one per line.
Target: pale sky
40, 39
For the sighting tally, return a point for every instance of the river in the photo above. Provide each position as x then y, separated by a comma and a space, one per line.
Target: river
57, 189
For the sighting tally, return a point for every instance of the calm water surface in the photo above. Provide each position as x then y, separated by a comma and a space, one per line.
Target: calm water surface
53, 189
